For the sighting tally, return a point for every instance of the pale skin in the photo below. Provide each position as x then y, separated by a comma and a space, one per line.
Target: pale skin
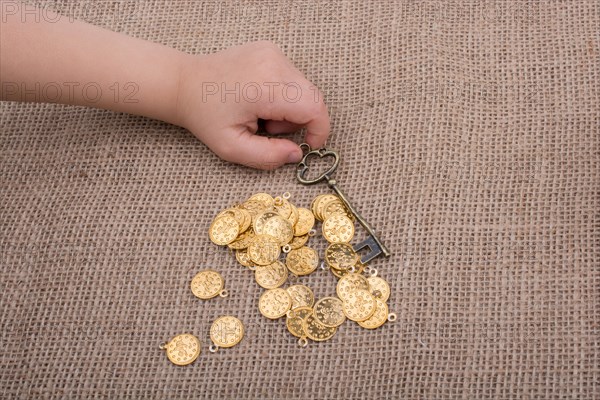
218, 97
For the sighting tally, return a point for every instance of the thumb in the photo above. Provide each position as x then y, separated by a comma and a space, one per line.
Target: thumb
262, 152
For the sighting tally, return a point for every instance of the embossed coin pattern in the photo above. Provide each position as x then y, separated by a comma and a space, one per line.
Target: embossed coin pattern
341, 256
315, 330
378, 318
329, 311
294, 320
302, 261
302, 296
359, 305
263, 250
224, 230
226, 331
379, 288
338, 228
183, 349
274, 303
271, 276
207, 284
350, 283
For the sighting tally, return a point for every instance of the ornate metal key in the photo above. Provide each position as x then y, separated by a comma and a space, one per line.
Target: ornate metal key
376, 247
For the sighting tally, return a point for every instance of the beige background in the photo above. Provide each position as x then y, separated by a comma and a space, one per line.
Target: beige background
469, 134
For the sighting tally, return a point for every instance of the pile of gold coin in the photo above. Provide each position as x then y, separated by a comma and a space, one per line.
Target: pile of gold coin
269, 236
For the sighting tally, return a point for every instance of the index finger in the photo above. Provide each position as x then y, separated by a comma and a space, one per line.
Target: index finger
301, 103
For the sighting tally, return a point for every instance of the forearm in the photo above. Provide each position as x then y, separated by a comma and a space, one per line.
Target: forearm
71, 62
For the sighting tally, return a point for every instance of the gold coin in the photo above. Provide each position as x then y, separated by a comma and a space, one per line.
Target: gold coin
293, 218
272, 224
317, 206
338, 228
306, 221
260, 219
243, 258
302, 261
263, 250
341, 256
294, 321
253, 207
359, 268
378, 318
379, 288
264, 198
183, 349
274, 303
335, 206
302, 296
315, 330
283, 207
313, 205
271, 276
359, 305
329, 311
223, 230
243, 240
207, 284
298, 241
350, 283
226, 331
242, 217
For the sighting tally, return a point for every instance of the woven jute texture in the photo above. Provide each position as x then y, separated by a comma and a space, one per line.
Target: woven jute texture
469, 136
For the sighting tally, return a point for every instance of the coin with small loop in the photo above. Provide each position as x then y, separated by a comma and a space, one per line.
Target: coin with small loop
379, 317
306, 221
183, 349
274, 303
283, 207
263, 250
359, 305
302, 261
358, 269
379, 285
294, 320
208, 284
226, 331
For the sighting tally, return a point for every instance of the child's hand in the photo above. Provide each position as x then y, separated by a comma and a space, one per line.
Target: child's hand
222, 96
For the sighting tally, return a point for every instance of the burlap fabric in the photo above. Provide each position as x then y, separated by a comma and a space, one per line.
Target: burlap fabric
469, 138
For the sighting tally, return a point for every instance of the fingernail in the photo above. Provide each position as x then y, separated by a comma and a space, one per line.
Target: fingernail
295, 156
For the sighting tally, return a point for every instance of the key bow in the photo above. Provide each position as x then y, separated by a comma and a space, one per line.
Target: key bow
303, 166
